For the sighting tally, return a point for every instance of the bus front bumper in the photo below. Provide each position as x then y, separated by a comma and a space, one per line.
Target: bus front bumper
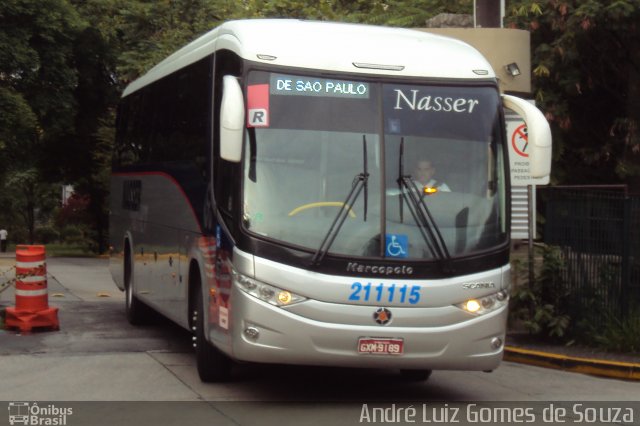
267, 334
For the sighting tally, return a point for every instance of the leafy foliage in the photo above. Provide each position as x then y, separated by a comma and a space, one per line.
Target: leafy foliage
63, 64
37, 100
539, 305
18, 126
403, 13
586, 72
549, 309
618, 334
31, 196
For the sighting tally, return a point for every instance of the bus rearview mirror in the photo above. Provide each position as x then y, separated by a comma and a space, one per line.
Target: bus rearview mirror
231, 119
538, 135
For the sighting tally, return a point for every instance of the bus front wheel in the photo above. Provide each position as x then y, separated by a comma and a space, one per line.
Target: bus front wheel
213, 365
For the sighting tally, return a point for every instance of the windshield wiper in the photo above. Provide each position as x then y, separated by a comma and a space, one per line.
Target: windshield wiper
360, 182
420, 211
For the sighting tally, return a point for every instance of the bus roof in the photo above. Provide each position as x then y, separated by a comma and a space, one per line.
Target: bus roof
331, 46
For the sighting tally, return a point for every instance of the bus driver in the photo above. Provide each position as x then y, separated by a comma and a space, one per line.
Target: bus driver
424, 173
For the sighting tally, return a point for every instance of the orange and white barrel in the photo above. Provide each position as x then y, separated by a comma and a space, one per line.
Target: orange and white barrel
31, 294
31, 279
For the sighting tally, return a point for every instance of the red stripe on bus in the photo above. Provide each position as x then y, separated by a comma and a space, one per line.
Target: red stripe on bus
175, 182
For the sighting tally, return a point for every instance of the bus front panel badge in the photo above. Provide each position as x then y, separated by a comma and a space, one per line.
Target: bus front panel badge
382, 316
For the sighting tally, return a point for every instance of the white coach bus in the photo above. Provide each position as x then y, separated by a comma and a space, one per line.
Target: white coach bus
266, 195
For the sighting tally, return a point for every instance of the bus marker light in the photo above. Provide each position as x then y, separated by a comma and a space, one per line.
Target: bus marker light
378, 66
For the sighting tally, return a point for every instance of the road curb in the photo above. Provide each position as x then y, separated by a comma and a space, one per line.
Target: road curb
595, 367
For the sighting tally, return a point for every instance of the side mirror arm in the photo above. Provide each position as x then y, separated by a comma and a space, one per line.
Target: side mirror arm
538, 134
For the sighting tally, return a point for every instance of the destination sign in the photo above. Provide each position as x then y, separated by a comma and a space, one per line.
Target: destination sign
310, 86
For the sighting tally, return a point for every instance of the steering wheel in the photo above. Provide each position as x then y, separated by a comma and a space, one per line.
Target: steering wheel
321, 204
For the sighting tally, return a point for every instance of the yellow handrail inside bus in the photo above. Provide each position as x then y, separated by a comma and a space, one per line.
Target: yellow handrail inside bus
320, 204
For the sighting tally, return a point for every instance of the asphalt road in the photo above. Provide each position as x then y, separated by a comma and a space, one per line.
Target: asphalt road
97, 356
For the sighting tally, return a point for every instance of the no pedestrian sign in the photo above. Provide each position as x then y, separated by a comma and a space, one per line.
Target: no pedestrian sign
517, 140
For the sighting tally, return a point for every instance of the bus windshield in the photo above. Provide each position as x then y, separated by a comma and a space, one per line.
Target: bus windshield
308, 139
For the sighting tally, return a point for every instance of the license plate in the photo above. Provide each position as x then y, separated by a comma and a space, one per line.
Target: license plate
377, 346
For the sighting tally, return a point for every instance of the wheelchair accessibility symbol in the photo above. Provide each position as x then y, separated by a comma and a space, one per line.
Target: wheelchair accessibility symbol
397, 245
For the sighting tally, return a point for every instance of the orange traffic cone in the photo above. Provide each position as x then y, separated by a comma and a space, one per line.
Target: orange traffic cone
32, 299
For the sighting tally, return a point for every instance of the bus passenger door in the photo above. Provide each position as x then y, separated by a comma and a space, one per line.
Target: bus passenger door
217, 284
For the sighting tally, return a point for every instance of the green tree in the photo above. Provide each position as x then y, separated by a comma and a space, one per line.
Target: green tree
411, 13
133, 35
18, 127
404, 13
37, 101
124, 39
586, 66
36, 43
143, 32
31, 196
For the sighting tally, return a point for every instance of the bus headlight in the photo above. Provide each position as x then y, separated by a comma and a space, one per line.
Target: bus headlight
486, 304
265, 292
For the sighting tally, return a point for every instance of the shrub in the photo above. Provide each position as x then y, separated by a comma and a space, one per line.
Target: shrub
538, 306
74, 234
620, 334
46, 235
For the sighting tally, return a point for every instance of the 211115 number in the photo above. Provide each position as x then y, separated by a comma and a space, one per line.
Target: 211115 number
381, 293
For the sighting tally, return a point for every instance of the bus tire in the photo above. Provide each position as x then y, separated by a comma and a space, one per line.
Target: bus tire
137, 312
213, 365
415, 375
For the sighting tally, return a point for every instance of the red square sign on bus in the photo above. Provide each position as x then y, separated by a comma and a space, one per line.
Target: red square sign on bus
258, 105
